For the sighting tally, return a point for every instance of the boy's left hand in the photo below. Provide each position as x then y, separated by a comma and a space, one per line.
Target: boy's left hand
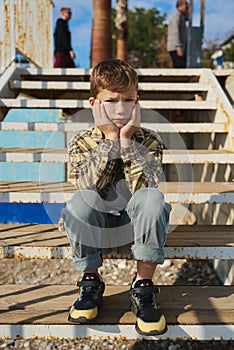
131, 127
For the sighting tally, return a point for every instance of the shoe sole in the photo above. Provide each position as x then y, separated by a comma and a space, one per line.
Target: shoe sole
83, 319
152, 333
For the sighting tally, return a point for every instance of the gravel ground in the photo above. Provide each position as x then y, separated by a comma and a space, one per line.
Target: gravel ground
119, 271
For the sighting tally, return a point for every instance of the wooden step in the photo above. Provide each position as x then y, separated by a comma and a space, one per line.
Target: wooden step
197, 312
28, 72
79, 104
61, 192
169, 156
85, 86
79, 73
25, 241
75, 126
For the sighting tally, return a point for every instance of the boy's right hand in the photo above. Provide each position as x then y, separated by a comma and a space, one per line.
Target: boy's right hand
101, 120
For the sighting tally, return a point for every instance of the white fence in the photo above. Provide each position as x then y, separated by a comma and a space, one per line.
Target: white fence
26, 26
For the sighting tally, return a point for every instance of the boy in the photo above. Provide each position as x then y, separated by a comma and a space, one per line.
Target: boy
116, 168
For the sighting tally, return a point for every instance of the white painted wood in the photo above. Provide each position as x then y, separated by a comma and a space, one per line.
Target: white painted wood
71, 331
64, 197
55, 72
74, 85
159, 127
37, 252
142, 71
43, 103
170, 157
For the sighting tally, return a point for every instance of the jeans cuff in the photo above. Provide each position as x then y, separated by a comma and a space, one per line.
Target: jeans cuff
148, 253
90, 262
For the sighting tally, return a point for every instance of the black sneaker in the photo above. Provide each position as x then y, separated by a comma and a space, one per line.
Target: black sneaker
150, 320
89, 301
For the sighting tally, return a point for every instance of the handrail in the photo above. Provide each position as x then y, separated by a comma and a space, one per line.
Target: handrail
26, 26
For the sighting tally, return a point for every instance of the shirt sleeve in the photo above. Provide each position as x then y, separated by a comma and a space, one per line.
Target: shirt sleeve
92, 164
142, 162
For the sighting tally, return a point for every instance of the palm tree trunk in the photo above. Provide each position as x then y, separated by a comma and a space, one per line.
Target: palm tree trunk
101, 45
121, 23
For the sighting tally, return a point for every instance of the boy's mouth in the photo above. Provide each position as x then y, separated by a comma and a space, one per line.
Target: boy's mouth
120, 120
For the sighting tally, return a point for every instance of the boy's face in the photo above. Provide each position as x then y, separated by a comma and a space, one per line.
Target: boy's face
118, 105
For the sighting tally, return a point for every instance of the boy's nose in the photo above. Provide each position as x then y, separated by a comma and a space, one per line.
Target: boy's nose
119, 108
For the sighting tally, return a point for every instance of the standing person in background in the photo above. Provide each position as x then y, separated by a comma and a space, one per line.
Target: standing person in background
177, 35
63, 53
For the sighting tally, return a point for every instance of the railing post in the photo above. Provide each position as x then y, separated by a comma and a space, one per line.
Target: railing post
12, 31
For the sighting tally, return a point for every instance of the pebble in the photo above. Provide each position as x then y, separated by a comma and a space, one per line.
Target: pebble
172, 347
167, 263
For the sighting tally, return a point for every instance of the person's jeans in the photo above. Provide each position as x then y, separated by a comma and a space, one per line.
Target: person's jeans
139, 229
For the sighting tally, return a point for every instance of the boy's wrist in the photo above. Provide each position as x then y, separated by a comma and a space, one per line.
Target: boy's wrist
125, 143
112, 137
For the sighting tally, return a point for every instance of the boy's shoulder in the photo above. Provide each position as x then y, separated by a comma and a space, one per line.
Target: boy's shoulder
148, 133
87, 135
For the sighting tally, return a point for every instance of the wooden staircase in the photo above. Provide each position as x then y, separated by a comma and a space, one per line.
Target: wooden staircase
195, 121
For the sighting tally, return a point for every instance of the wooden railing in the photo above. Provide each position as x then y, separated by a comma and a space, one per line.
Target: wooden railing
26, 26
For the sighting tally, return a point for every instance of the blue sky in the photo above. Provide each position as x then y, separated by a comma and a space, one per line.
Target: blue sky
218, 20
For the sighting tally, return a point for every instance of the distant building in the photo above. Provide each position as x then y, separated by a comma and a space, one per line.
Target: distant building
218, 58
227, 42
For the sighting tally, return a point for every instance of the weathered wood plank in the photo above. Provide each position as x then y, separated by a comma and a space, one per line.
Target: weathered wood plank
170, 187
59, 155
75, 126
30, 72
42, 304
46, 242
184, 192
49, 236
77, 86
79, 104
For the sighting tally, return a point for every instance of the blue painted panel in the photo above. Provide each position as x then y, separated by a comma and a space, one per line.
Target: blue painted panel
33, 115
32, 139
31, 213
43, 172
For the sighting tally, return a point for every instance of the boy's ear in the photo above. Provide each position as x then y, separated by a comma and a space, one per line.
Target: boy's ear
91, 101
137, 99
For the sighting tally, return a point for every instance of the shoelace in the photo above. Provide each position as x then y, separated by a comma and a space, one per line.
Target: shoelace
146, 299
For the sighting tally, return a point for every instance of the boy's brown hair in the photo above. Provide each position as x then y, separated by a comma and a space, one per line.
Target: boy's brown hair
114, 75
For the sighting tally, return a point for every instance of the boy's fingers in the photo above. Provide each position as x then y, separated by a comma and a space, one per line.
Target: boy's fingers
136, 115
99, 114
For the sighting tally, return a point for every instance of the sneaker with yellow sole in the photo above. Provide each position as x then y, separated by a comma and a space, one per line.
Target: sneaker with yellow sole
89, 300
150, 320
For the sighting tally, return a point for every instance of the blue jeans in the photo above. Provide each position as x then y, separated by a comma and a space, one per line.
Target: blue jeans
140, 229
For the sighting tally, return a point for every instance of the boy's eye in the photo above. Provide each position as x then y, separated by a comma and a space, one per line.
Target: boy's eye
129, 100
110, 101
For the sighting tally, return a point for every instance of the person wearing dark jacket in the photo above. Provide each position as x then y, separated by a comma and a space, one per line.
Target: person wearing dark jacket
63, 53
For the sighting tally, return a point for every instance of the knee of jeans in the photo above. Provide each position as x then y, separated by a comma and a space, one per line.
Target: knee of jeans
147, 197
81, 204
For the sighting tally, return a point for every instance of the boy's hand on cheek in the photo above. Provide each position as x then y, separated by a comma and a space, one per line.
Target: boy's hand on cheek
109, 129
131, 127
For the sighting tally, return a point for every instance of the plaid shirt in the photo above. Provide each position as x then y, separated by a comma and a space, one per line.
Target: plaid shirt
97, 163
